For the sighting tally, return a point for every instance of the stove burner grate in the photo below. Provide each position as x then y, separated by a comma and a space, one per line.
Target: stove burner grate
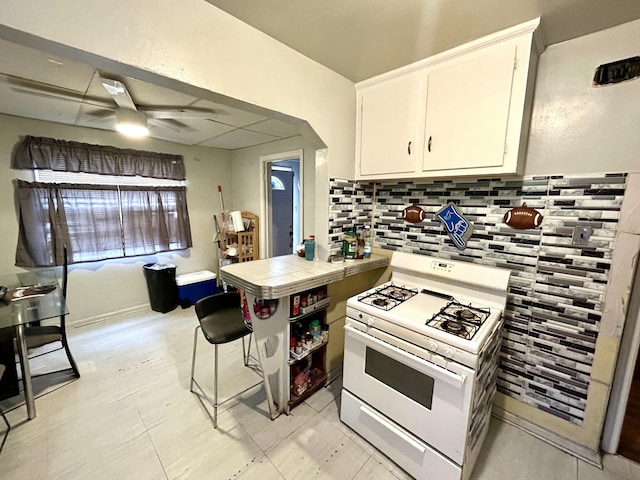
388, 296
452, 326
458, 319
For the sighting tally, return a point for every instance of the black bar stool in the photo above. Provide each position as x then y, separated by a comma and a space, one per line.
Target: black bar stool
221, 321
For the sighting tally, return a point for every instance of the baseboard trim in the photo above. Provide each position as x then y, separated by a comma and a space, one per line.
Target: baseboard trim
111, 315
568, 446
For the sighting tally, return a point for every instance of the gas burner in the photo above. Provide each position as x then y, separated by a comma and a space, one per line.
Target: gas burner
465, 314
380, 302
397, 292
452, 326
388, 296
458, 319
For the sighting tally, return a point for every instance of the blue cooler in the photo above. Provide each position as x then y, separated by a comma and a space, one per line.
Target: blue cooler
194, 286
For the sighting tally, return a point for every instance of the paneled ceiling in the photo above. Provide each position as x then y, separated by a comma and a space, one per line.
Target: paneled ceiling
356, 38
45, 87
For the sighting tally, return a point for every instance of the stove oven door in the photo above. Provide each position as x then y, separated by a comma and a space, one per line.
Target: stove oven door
431, 402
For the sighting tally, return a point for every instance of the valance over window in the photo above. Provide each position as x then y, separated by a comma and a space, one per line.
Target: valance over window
61, 155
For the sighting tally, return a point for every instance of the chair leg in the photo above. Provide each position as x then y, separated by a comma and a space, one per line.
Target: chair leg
246, 352
6, 434
215, 386
74, 366
193, 357
201, 394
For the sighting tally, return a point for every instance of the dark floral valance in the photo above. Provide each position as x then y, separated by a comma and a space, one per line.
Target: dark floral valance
60, 155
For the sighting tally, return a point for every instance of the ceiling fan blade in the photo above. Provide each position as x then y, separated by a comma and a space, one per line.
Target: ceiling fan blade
170, 124
119, 92
44, 90
179, 113
100, 114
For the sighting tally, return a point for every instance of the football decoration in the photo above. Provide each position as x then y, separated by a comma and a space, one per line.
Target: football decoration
523, 218
413, 214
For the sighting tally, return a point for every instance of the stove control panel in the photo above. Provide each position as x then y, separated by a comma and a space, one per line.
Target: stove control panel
440, 266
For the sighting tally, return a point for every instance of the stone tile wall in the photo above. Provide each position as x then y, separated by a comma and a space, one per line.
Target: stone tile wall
556, 292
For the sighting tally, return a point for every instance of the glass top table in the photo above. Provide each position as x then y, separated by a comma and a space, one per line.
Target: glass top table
44, 302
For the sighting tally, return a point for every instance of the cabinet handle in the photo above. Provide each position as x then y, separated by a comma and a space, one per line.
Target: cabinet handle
409, 148
429, 144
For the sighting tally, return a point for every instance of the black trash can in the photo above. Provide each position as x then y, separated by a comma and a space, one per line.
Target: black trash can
161, 282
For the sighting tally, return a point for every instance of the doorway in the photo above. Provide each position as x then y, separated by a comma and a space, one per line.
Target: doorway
621, 433
282, 205
629, 446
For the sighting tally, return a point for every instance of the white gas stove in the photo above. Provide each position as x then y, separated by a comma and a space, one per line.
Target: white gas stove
420, 362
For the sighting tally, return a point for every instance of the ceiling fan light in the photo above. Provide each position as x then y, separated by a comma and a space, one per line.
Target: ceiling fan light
131, 123
132, 129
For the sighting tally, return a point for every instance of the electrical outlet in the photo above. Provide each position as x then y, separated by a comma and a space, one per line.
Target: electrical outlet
581, 235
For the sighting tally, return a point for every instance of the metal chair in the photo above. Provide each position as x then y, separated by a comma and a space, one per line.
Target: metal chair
41, 335
6, 434
221, 321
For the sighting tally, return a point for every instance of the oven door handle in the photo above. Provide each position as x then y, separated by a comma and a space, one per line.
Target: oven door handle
433, 369
392, 428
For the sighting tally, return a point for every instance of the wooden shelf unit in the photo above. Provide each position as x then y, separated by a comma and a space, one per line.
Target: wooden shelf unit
248, 241
313, 359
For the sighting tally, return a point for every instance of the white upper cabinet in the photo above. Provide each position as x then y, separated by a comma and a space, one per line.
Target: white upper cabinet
463, 112
391, 125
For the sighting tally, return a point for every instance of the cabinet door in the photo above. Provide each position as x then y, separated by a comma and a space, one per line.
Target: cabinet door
468, 109
391, 125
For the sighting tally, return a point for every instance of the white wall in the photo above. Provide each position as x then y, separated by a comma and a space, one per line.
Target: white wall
195, 43
100, 288
246, 179
577, 128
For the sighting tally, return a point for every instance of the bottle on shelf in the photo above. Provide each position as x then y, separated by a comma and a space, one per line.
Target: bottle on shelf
360, 243
350, 245
367, 241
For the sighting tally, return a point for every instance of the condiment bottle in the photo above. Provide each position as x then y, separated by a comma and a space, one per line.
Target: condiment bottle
350, 245
367, 241
314, 328
360, 243
310, 247
324, 332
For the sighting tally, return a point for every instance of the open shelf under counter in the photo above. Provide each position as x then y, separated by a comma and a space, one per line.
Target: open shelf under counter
319, 380
296, 357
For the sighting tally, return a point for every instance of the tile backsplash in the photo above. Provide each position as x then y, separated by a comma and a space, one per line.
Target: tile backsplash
556, 292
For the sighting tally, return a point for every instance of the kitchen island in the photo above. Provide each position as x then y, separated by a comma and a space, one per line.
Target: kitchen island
285, 293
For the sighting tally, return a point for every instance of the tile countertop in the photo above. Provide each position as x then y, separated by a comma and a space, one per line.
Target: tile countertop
278, 277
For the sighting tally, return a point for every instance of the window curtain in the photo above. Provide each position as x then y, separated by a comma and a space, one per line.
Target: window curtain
61, 155
98, 222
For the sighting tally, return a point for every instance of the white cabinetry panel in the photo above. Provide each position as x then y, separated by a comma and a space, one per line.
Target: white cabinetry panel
467, 110
462, 112
391, 125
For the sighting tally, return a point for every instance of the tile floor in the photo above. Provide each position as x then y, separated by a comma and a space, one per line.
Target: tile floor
131, 416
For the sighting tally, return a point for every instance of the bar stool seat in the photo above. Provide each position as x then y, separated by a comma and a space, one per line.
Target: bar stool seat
221, 321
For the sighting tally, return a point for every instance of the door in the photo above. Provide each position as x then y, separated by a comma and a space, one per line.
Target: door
405, 387
391, 125
282, 211
468, 109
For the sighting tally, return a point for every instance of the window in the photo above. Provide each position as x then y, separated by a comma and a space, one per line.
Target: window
99, 217
276, 183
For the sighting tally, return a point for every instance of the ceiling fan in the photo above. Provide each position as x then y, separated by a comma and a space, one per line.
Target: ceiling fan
131, 118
